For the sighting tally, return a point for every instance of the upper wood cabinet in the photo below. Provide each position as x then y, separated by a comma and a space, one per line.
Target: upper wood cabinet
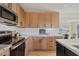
21, 14
43, 20
55, 20
33, 20
27, 16
14, 7
48, 19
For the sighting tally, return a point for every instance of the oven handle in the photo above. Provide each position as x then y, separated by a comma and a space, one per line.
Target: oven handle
18, 44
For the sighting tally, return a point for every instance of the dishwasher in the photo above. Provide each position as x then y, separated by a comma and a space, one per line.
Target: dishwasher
18, 48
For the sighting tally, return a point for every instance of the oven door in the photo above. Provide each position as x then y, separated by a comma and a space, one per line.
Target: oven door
18, 49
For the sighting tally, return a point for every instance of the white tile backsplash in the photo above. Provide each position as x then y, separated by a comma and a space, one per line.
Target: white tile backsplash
35, 31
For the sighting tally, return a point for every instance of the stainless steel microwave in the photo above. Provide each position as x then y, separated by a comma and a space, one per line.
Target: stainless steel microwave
7, 15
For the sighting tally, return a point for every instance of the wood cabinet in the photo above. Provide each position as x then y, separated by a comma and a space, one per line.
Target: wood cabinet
14, 7
28, 45
33, 20
27, 16
51, 43
48, 20
39, 43
36, 43
42, 43
43, 20
5, 53
21, 14
55, 20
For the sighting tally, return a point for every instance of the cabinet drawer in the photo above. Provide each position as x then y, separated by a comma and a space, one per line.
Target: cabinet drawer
51, 40
51, 47
51, 43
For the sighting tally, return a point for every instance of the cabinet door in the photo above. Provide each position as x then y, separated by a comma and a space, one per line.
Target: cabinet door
41, 20
19, 16
44, 43
30, 43
14, 7
55, 20
33, 20
48, 19
27, 16
23, 18
36, 43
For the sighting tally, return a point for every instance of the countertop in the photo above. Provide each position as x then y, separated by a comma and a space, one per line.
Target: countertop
4, 47
68, 43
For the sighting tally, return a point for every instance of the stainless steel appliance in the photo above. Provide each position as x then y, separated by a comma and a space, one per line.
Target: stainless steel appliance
5, 37
18, 48
7, 16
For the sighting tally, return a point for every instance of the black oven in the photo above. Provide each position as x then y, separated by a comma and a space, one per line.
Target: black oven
18, 48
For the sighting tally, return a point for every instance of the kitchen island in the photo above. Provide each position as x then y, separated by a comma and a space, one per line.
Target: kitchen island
67, 47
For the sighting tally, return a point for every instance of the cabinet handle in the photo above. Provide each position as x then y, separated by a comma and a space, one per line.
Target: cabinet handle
50, 41
50, 46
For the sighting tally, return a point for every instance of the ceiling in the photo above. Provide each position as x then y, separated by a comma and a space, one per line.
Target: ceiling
67, 11
48, 7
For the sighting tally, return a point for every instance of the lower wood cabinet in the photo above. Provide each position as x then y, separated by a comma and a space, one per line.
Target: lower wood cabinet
28, 45
5, 53
51, 43
40, 43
